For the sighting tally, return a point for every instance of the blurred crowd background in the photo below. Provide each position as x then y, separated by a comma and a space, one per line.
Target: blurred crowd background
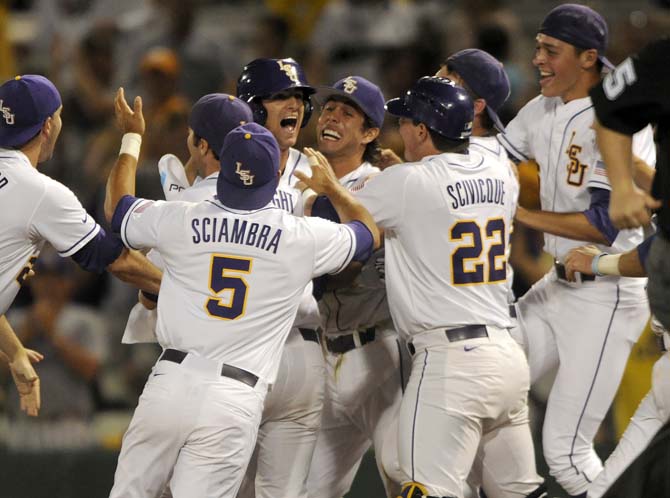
171, 52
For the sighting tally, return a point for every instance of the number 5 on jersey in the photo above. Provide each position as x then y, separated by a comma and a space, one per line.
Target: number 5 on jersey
467, 264
220, 280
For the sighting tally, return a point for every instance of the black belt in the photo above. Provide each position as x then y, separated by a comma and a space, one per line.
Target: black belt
230, 371
560, 273
344, 343
459, 334
309, 335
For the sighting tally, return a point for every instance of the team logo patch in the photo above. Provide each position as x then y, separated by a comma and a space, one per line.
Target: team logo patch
290, 70
350, 85
244, 175
7, 114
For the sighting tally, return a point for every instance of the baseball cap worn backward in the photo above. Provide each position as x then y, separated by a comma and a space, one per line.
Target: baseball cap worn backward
215, 115
362, 92
440, 104
578, 25
25, 102
485, 75
249, 168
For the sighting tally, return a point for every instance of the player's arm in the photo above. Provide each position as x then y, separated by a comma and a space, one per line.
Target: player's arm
590, 260
591, 225
19, 359
643, 174
121, 179
323, 181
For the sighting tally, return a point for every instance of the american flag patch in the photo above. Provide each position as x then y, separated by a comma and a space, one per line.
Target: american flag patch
600, 169
143, 206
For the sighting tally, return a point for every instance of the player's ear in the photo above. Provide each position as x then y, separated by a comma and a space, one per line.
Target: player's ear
203, 147
369, 135
588, 58
46, 127
480, 106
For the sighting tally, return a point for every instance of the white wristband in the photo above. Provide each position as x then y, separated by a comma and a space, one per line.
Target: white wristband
608, 264
306, 194
130, 144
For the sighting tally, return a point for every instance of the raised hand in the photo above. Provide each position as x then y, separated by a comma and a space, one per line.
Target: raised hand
129, 120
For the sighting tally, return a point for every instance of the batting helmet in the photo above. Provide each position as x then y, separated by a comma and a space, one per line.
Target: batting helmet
440, 104
264, 77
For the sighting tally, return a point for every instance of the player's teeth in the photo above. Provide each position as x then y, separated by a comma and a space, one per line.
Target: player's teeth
331, 134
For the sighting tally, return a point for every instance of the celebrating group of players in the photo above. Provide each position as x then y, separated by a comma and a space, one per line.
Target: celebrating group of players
289, 290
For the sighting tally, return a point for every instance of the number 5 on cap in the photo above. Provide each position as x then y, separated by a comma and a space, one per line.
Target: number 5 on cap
219, 282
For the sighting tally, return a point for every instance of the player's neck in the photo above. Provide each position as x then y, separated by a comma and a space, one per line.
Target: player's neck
582, 86
343, 165
32, 152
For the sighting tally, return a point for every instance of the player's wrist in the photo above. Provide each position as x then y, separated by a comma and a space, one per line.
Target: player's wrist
131, 144
605, 264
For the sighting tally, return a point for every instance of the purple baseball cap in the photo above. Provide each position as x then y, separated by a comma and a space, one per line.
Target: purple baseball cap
249, 168
214, 115
578, 25
25, 102
361, 92
485, 76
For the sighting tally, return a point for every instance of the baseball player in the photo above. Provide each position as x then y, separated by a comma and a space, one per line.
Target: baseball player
585, 329
35, 208
364, 376
280, 97
446, 217
634, 93
654, 410
221, 321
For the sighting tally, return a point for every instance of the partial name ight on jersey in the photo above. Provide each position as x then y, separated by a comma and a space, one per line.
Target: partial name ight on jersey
235, 231
477, 191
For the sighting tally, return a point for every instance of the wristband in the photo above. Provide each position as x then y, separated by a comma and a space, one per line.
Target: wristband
130, 144
605, 264
306, 194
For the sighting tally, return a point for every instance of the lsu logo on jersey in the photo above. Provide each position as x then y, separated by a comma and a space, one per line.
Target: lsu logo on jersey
6, 114
290, 70
244, 175
576, 168
350, 85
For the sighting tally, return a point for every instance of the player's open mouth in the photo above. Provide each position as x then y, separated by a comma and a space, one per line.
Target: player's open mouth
290, 123
330, 135
545, 78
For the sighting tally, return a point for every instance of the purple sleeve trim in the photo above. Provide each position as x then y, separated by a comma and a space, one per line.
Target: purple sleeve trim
643, 249
102, 250
122, 208
364, 241
598, 216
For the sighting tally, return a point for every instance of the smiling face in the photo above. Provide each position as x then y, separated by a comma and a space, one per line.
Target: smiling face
285, 112
563, 71
341, 130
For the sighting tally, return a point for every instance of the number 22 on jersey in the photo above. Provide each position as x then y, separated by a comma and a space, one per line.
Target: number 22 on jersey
471, 262
224, 275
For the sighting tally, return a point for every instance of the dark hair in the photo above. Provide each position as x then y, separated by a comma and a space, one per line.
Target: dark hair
373, 150
445, 144
196, 141
484, 118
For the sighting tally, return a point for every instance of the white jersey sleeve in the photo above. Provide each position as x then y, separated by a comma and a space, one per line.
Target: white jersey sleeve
335, 245
146, 222
61, 219
515, 138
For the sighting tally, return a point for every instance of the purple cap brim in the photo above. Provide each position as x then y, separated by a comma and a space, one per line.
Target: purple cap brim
245, 199
323, 94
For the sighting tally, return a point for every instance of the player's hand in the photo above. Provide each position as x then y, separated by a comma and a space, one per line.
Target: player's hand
323, 179
144, 301
388, 158
26, 380
129, 120
579, 260
631, 208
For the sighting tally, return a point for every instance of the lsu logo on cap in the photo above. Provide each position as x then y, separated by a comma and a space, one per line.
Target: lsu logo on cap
350, 85
290, 70
7, 114
244, 175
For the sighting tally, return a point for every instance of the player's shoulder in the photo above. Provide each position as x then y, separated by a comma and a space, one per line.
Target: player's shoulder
488, 145
297, 161
538, 106
204, 189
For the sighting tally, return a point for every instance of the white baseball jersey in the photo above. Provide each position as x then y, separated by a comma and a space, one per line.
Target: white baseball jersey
457, 275
233, 279
364, 303
35, 208
561, 139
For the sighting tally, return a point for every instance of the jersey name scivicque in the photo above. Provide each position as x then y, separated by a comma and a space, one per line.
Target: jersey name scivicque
446, 223
35, 208
232, 296
561, 139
